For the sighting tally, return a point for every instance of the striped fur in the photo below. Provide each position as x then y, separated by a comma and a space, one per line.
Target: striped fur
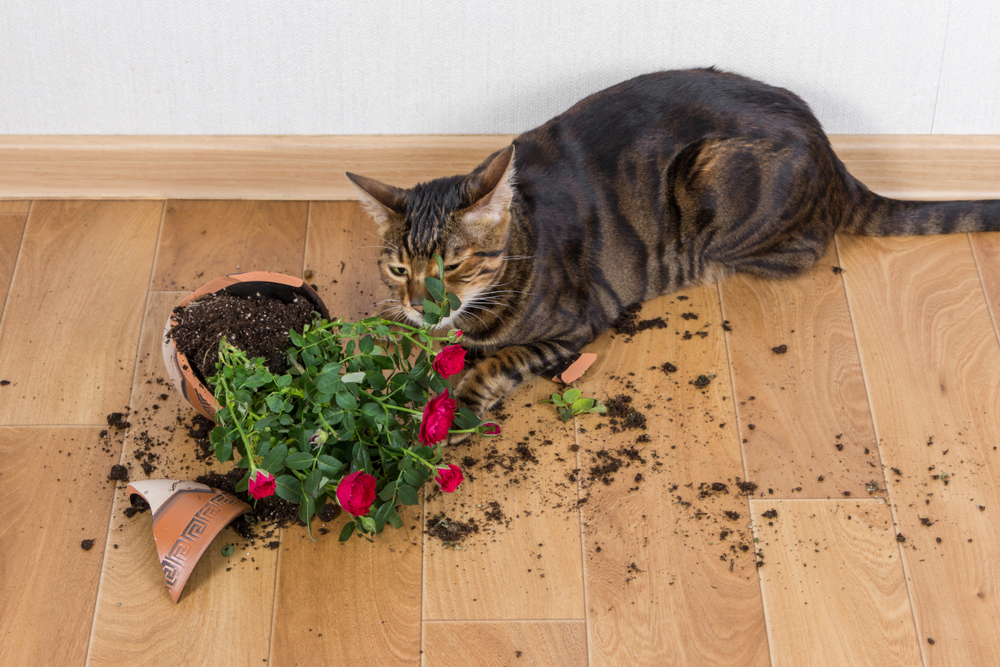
666, 180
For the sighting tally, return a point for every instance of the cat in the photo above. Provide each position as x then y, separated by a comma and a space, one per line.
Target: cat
663, 181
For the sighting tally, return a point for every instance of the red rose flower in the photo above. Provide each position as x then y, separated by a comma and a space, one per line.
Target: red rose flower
356, 493
262, 484
449, 361
490, 429
438, 414
449, 478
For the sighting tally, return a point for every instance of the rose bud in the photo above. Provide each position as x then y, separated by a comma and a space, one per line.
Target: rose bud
318, 438
489, 429
262, 484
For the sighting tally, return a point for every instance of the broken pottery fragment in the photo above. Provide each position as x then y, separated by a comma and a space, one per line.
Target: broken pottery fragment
186, 518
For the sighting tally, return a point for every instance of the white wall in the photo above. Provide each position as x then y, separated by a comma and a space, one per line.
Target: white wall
415, 66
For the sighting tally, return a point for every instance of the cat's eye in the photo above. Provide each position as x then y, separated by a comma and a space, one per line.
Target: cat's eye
452, 267
398, 270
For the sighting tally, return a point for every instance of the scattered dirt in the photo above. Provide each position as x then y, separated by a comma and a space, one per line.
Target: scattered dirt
781, 349
451, 531
623, 416
119, 473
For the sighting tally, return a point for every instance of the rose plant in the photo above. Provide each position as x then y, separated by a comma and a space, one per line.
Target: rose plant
358, 419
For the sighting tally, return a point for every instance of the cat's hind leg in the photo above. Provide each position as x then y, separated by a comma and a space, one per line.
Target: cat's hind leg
752, 205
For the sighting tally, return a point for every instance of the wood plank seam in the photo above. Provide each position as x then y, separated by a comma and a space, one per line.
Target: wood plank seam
121, 454
982, 285
878, 444
17, 260
583, 547
746, 470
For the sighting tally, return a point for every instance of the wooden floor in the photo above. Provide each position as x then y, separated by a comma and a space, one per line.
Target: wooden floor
872, 538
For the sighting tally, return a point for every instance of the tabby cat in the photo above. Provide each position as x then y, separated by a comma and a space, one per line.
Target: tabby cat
666, 180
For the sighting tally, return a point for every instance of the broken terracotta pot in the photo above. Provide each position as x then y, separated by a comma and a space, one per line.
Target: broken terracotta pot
276, 285
186, 518
576, 368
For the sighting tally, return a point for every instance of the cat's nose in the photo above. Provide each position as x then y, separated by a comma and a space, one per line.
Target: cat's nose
417, 306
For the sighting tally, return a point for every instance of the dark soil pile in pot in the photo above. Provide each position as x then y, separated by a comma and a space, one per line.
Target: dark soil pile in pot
258, 325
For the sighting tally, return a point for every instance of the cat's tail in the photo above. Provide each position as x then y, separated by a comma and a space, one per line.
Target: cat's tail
875, 215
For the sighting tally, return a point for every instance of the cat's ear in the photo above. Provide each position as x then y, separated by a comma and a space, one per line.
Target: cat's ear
383, 202
491, 191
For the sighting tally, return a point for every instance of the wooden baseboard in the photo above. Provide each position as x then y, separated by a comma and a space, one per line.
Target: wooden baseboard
312, 167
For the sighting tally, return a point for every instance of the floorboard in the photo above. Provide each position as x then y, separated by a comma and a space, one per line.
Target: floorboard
71, 324
833, 584
931, 362
202, 240
829, 449
55, 494
505, 644
11, 231
671, 579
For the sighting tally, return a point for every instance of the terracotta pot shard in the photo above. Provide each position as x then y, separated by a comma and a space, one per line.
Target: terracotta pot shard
186, 518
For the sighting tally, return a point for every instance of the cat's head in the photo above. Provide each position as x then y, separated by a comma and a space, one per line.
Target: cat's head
464, 219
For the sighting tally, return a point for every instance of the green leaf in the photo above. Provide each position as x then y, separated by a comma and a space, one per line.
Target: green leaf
388, 491
413, 477
224, 450
288, 487
436, 288
283, 381
382, 515
565, 413
348, 530
329, 382
454, 301
329, 465
258, 379
394, 519
275, 403
465, 419
407, 494
299, 461
582, 405
354, 377
367, 344
311, 485
273, 462
431, 308
571, 395
307, 508
346, 399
